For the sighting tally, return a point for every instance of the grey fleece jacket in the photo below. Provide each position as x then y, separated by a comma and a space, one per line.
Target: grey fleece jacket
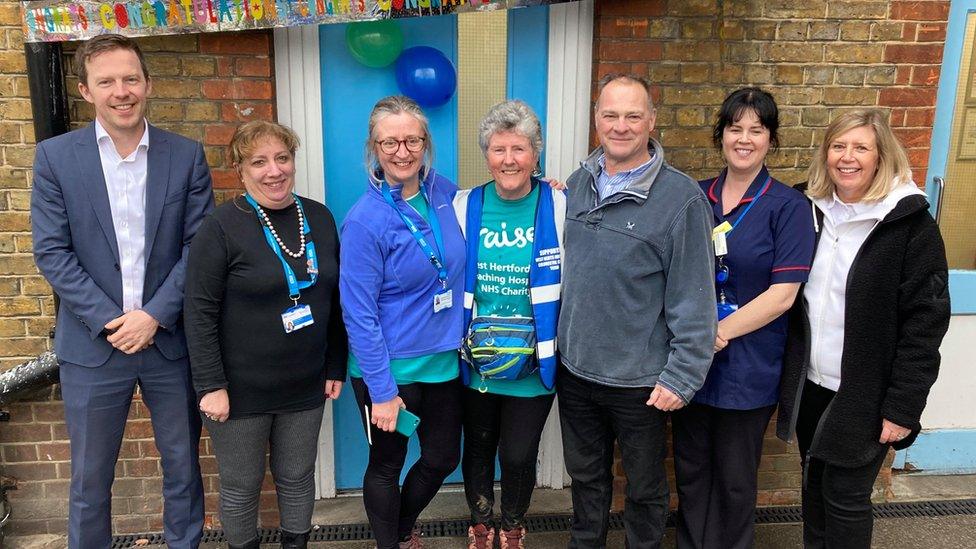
638, 281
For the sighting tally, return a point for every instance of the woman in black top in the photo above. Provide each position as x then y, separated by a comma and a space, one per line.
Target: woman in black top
265, 333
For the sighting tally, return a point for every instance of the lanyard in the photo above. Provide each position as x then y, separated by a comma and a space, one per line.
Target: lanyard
435, 256
295, 286
762, 191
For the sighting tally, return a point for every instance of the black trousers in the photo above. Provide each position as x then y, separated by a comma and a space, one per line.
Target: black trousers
592, 417
716, 460
837, 512
510, 427
392, 510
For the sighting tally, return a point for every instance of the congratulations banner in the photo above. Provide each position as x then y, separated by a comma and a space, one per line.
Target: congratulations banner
58, 20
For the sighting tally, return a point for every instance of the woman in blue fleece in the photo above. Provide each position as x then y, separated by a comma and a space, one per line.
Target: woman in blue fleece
400, 285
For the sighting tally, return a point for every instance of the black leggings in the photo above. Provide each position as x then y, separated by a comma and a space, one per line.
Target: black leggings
392, 510
511, 427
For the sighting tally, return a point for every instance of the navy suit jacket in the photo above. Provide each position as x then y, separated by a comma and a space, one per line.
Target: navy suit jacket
75, 246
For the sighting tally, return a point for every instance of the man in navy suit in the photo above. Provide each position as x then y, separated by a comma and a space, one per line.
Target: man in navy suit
113, 210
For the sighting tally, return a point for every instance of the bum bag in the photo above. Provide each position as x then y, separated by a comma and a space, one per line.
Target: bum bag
501, 347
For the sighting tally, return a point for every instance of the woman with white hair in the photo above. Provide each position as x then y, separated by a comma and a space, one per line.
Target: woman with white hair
513, 226
862, 346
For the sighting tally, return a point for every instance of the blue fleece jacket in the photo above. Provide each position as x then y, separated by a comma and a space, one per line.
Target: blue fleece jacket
387, 284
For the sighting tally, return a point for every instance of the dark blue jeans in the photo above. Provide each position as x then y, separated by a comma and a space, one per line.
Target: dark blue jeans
593, 416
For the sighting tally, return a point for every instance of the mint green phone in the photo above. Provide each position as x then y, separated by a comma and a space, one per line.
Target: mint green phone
407, 422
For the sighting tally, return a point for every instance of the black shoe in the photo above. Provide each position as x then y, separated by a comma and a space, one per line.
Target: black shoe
294, 541
253, 544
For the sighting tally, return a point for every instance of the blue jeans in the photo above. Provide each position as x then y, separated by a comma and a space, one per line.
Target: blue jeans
593, 416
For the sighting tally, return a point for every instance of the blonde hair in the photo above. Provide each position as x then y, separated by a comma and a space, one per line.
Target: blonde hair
391, 106
893, 166
248, 134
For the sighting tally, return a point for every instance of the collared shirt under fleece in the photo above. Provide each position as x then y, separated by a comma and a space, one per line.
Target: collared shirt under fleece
387, 284
638, 303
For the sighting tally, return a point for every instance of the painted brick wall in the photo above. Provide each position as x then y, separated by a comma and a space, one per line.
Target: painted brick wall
816, 57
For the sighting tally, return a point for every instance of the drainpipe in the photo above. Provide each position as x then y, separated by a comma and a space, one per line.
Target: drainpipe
49, 98
48, 95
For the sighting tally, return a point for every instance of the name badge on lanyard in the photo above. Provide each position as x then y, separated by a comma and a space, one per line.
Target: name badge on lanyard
720, 234
718, 238
297, 316
444, 298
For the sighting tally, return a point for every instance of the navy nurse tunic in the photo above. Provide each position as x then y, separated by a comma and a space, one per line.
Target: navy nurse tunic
772, 244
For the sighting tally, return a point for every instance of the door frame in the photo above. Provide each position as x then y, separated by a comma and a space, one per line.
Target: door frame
299, 104
949, 448
962, 283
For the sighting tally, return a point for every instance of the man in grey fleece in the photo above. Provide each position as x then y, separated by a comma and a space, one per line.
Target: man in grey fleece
637, 325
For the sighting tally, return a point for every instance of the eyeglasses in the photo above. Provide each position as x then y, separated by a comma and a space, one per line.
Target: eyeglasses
391, 146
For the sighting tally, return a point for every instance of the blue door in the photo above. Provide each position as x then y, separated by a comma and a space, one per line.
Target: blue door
349, 91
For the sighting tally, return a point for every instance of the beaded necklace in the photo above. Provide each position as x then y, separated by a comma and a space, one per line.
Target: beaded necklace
301, 233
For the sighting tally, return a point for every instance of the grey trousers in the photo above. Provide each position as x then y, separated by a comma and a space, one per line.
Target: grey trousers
240, 446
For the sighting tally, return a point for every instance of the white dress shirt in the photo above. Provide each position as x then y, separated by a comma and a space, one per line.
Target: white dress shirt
125, 181
845, 228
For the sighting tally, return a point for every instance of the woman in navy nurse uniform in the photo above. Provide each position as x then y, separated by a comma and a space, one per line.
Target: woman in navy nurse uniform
764, 243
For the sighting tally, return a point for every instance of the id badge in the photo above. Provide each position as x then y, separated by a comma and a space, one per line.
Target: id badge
721, 246
718, 238
725, 309
296, 318
443, 300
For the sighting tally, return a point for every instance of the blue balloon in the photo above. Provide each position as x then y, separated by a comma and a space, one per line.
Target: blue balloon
426, 75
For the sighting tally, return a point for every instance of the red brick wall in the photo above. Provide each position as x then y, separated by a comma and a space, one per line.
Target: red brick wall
203, 87
816, 57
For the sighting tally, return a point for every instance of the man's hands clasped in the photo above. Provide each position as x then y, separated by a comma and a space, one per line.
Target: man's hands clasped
132, 332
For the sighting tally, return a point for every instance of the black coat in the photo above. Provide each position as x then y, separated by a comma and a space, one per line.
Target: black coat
896, 313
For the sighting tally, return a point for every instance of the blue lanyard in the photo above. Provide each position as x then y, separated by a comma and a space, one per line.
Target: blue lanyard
295, 286
762, 191
436, 257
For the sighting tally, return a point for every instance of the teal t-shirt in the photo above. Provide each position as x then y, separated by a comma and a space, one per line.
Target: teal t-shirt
502, 289
419, 203
433, 368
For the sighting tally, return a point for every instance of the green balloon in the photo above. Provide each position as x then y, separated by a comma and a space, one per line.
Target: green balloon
374, 43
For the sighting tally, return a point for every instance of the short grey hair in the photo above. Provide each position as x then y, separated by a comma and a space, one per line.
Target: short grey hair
511, 116
625, 79
390, 106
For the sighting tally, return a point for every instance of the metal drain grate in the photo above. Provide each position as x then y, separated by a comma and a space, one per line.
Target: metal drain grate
561, 523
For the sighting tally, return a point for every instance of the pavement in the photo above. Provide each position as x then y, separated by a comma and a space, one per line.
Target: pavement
955, 532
